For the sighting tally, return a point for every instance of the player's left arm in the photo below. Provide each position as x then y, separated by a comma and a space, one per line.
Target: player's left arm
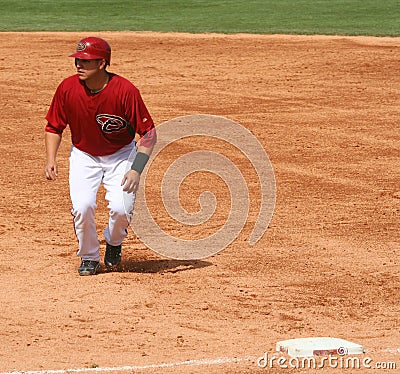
145, 147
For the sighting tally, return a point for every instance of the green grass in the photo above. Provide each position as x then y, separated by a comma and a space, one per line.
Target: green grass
351, 17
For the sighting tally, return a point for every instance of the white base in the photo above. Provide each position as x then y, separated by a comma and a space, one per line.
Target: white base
320, 346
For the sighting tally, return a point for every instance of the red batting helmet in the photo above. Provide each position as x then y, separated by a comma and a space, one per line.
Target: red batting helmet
93, 48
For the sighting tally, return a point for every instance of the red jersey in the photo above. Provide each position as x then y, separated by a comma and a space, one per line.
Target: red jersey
100, 123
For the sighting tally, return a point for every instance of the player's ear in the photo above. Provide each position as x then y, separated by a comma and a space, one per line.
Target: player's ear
103, 64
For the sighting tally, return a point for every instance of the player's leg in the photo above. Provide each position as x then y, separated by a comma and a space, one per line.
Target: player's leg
120, 203
84, 178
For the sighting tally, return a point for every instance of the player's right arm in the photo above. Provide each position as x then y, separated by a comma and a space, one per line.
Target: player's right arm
56, 123
52, 142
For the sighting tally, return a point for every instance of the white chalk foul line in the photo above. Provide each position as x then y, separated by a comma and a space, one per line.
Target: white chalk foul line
217, 361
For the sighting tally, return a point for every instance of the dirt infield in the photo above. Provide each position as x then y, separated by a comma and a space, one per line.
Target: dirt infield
326, 110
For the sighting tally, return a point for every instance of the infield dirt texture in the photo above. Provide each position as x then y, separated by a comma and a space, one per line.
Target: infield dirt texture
326, 110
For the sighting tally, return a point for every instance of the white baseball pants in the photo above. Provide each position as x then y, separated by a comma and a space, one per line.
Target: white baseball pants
85, 176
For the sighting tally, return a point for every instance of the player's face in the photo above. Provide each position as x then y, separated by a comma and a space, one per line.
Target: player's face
88, 69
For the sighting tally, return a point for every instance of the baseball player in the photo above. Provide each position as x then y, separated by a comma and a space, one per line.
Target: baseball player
104, 111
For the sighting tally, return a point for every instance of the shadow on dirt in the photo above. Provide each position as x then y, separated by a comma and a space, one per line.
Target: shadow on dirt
155, 266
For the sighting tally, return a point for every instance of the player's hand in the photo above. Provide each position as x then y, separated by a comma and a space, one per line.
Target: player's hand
131, 181
51, 170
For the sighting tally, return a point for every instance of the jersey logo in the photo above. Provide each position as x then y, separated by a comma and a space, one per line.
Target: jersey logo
110, 123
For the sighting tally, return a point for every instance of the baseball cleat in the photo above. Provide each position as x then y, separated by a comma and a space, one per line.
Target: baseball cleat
113, 255
88, 267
